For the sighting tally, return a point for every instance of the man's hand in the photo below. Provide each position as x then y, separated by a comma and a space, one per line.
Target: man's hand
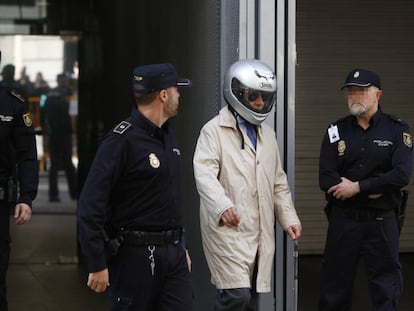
98, 281
187, 256
294, 231
345, 189
22, 213
230, 217
374, 196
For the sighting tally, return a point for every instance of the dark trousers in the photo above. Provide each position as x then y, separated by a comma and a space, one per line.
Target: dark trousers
236, 299
133, 287
60, 150
4, 252
377, 240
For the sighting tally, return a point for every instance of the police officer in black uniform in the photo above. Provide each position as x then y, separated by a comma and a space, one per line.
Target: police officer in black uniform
365, 160
129, 208
18, 165
58, 133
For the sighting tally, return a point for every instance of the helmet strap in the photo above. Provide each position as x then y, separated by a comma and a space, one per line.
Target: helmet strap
235, 114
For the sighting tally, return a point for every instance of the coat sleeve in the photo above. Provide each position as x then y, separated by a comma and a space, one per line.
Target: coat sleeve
207, 163
284, 208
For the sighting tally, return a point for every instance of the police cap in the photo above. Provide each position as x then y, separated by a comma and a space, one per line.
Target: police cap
362, 78
150, 78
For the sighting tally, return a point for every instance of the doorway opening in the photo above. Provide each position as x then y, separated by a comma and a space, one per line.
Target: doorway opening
37, 61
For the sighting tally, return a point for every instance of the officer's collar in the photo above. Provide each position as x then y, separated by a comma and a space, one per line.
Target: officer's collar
146, 124
376, 116
374, 119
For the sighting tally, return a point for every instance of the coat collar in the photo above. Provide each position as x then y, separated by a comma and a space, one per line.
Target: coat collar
226, 118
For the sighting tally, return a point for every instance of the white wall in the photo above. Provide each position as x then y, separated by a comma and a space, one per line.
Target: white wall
37, 53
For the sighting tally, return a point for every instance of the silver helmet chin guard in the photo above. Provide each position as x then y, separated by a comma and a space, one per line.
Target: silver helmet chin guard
250, 75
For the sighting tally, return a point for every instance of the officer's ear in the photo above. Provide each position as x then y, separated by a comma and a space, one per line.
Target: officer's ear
163, 95
378, 94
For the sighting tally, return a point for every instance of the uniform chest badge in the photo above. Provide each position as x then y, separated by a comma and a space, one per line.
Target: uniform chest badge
341, 147
153, 160
27, 119
407, 139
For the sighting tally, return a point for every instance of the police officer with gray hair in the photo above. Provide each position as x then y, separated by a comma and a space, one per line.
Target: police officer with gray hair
365, 161
19, 174
129, 209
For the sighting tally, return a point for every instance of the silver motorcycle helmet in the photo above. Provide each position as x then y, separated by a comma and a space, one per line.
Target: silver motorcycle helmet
244, 82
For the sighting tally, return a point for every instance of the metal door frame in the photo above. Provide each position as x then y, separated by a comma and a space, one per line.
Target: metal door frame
267, 32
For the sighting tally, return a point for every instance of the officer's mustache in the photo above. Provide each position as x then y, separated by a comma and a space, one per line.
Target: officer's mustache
357, 108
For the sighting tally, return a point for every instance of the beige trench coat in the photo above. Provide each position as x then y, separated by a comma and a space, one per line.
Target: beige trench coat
252, 181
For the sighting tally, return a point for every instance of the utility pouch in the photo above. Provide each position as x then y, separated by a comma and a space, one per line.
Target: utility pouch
112, 245
11, 190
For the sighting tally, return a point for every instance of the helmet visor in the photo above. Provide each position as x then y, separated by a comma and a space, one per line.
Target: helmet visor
255, 100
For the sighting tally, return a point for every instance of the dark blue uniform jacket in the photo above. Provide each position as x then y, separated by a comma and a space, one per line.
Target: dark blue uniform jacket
133, 184
380, 158
18, 146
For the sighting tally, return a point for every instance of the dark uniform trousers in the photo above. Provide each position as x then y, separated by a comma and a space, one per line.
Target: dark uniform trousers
4, 251
60, 149
374, 238
134, 287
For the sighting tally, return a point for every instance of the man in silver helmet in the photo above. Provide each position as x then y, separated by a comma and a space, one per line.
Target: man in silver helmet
242, 187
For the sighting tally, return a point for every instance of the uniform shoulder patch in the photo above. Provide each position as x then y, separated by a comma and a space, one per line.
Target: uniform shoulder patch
406, 136
17, 95
27, 118
407, 139
122, 127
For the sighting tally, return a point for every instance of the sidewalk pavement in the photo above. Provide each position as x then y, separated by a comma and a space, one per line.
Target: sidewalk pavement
44, 274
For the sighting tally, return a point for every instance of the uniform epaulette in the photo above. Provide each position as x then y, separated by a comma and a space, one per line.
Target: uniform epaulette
397, 119
17, 95
122, 127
